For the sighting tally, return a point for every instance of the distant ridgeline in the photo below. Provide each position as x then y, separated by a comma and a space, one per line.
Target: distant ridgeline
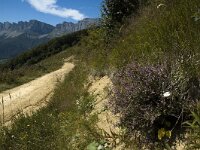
16, 38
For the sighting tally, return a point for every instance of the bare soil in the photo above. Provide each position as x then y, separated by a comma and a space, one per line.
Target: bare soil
31, 96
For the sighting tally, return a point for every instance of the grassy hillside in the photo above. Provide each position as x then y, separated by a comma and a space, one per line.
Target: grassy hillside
38, 61
152, 56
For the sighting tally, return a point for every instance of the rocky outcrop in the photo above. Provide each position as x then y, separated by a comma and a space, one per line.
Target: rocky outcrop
35, 27
18, 37
10, 30
69, 27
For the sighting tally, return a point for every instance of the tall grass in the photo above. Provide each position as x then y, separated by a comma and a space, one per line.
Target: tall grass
165, 34
168, 32
62, 124
193, 139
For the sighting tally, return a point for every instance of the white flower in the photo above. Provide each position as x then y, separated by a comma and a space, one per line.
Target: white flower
77, 102
106, 145
100, 147
160, 5
166, 94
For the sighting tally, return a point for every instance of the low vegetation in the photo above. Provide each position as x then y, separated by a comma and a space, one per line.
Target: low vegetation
152, 56
61, 125
154, 100
194, 132
38, 61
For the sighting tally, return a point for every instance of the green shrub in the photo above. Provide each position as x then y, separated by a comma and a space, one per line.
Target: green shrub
154, 100
115, 12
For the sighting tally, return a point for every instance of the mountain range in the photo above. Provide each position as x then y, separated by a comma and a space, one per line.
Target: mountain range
16, 38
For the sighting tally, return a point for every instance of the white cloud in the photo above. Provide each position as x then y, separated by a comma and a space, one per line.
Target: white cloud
50, 7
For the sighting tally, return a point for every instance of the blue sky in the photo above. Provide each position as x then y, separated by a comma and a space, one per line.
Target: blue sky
49, 11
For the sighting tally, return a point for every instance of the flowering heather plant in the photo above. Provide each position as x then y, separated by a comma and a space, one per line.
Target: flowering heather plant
152, 99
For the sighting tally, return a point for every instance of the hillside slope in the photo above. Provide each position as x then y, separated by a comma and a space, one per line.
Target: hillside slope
31, 96
145, 87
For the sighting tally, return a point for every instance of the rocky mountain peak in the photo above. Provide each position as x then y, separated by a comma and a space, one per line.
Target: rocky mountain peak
18, 37
31, 26
69, 27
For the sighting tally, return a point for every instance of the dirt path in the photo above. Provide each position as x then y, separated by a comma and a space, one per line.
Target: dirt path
31, 96
107, 121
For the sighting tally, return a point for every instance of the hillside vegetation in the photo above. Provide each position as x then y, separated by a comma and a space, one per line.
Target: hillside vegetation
151, 52
38, 61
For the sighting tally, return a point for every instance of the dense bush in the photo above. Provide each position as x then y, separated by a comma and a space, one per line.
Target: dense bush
154, 98
115, 12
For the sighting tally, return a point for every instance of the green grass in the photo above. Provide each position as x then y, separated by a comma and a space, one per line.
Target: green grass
168, 34
193, 138
38, 61
26, 73
60, 125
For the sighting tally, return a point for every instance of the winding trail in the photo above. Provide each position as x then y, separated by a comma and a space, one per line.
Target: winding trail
31, 96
